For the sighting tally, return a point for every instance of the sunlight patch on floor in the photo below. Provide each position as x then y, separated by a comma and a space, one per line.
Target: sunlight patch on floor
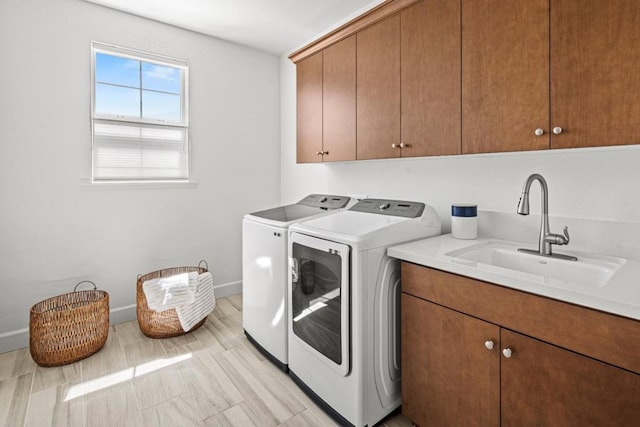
110, 380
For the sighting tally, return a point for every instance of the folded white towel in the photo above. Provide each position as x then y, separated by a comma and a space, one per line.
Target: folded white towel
204, 303
170, 292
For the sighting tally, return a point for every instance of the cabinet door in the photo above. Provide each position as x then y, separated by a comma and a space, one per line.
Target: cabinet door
595, 59
449, 377
544, 385
505, 75
309, 109
378, 87
339, 101
430, 76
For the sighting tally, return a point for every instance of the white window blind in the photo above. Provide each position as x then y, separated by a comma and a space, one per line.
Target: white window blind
139, 116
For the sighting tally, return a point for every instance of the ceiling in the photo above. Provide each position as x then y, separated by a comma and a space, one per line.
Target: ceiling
274, 26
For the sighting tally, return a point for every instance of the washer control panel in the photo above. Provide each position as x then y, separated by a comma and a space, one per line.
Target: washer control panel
325, 201
401, 208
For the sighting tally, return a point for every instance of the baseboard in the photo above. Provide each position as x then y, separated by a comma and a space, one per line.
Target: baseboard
228, 289
14, 340
122, 314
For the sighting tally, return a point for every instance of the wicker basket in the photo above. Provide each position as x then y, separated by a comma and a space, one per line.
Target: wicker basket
69, 327
162, 324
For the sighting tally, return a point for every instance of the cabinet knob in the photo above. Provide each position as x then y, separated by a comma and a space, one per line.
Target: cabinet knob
319, 153
395, 145
539, 132
507, 353
403, 145
489, 345
557, 130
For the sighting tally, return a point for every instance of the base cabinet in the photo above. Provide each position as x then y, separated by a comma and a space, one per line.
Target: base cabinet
542, 384
448, 377
458, 369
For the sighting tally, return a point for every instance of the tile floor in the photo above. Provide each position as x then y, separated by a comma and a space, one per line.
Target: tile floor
210, 377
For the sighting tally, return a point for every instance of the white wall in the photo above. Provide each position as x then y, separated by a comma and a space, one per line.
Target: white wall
56, 231
598, 186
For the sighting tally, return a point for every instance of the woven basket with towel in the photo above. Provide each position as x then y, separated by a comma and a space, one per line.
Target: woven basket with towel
174, 301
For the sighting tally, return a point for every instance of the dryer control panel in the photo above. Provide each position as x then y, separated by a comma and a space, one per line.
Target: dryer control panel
401, 208
325, 201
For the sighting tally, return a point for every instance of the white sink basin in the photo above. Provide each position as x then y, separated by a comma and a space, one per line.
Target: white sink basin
589, 270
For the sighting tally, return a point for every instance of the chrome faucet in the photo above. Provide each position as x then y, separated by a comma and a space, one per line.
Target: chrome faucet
546, 237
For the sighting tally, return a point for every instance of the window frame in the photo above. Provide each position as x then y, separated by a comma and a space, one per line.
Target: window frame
183, 124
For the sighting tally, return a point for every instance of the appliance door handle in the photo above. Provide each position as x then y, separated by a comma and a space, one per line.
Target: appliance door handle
293, 263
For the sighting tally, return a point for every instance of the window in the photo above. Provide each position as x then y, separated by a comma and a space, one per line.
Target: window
139, 115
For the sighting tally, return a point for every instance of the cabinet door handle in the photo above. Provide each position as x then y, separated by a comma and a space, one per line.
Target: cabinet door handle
395, 145
489, 345
319, 153
557, 130
539, 132
403, 145
507, 353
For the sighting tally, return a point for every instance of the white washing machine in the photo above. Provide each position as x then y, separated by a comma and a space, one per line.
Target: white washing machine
264, 270
344, 299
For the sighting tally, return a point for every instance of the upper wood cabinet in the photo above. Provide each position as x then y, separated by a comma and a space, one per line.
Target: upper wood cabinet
391, 89
444, 77
326, 105
309, 109
326, 88
339, 101
408, 85
430, 78
378, 87
505, 75
595, 83
540, 74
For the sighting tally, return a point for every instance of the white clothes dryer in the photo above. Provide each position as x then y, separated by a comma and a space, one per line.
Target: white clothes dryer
264, 270
344, 299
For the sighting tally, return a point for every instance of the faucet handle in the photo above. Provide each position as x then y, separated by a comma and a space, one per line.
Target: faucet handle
558, 239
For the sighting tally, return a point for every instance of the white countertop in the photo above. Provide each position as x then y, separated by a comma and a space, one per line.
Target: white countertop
621, 295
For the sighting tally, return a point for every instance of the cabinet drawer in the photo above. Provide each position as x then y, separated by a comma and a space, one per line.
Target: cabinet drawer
606, 337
